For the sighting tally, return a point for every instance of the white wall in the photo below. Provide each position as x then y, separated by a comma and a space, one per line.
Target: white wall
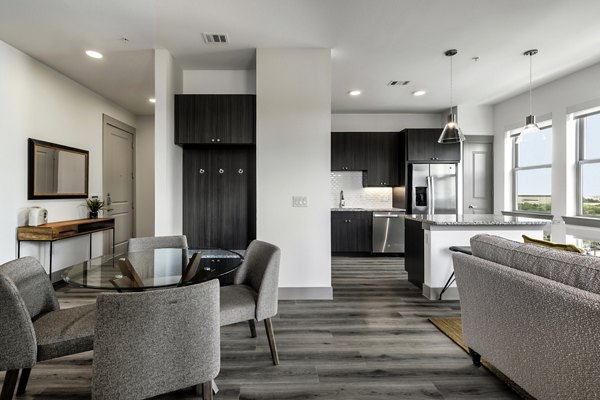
556, 99
168, 157
475, 120
40, 103
144, 176
293, 158
219, 82
382, 122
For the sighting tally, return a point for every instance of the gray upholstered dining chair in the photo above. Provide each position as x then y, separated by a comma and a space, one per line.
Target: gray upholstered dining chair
155, 342
157, 242
253, 296
33, 328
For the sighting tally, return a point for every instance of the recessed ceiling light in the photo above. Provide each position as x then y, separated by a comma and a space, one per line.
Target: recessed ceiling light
354, 92
93, 54
419, 92
152, 100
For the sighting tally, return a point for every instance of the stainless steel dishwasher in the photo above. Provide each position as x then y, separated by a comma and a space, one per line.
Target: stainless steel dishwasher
388, 232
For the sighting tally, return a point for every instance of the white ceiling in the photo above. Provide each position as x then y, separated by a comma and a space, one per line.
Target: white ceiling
372, 42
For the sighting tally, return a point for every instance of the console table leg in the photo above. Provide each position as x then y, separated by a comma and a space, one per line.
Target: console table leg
91, 245
18, 248
50, 274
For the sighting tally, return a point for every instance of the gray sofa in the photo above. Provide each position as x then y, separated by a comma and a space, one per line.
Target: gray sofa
533, 313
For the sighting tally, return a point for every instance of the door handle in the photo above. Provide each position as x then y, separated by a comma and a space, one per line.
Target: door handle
108, 202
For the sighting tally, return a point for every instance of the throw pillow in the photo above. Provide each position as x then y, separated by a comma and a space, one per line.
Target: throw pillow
556, 246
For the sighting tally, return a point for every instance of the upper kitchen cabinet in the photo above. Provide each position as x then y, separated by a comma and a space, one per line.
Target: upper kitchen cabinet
215, 119
422, 146
348, 151
383, 166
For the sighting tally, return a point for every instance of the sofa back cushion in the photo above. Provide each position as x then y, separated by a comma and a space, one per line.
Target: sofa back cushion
570, 268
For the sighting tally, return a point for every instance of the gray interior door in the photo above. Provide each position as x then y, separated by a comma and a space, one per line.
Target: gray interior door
119, 179
478, 176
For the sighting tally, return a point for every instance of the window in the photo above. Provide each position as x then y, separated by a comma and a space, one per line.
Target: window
588, 164
532, 171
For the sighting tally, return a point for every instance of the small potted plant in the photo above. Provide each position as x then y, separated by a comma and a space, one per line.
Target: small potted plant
94, 205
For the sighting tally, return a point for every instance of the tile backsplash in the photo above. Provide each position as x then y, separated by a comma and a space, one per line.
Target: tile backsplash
355, 195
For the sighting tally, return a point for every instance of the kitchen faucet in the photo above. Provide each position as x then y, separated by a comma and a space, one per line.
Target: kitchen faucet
342, 202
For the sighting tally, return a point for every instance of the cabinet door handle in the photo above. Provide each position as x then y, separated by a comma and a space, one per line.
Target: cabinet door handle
212, 140
218, 140
221, 170
201, 171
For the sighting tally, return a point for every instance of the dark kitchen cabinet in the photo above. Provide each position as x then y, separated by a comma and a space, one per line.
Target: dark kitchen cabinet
422, 146
349, 151
351, 231
414, 256
383, 167
219, 197
215, 119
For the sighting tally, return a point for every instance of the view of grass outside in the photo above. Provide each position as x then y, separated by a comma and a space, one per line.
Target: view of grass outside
591, 205
536, 203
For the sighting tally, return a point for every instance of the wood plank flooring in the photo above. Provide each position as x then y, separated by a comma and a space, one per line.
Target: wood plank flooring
373, 341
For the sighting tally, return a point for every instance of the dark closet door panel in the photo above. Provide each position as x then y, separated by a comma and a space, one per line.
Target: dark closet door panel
215, 119
219, 191
242, 122
198, 204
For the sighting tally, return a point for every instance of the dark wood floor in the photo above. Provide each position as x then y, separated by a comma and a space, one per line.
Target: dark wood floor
373, 341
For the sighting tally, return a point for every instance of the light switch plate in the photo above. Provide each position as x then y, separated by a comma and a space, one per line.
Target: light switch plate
299, 201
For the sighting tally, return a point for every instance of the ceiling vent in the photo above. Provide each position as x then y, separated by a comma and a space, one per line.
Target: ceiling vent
398, 83
215, 38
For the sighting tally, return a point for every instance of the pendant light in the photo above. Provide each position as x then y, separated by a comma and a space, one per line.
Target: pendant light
451, 132
530, 125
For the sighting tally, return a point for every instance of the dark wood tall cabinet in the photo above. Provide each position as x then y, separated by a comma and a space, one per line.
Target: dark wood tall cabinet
217, 133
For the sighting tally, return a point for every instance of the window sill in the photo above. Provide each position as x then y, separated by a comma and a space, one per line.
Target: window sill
526, 214
582, 221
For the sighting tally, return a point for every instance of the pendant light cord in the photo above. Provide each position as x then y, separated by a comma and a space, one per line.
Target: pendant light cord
530, 83
451, 98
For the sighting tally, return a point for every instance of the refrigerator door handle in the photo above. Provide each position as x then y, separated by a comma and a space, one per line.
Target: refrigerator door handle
429, 195
432, 194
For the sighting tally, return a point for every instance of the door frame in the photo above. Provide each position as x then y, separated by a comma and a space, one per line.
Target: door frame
482, 139
110, 121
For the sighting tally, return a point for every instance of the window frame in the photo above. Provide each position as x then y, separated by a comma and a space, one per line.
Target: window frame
581, 161
516, 168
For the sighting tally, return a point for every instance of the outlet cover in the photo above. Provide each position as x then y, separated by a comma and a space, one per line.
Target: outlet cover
299, 201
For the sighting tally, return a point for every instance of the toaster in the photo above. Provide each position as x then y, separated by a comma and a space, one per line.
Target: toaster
38, 216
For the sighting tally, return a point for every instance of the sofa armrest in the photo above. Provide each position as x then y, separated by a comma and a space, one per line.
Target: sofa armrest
540, 333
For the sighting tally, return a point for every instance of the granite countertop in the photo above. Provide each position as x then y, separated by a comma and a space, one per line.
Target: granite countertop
475, 219
370, 209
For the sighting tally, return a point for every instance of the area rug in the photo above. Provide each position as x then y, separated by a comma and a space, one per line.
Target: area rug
452, 327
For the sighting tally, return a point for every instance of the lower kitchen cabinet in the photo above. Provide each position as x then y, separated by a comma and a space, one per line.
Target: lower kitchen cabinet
351, 231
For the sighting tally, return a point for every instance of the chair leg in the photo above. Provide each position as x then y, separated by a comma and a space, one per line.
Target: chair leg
252, 328
271, 337
23, 380
476, 357
207, 393
10, 382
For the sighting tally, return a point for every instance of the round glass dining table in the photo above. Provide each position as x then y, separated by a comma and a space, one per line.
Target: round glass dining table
151, 269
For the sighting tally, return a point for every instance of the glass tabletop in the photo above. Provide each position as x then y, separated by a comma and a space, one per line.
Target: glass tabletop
148, 269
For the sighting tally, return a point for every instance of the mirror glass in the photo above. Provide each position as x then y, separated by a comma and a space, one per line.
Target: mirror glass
57, 171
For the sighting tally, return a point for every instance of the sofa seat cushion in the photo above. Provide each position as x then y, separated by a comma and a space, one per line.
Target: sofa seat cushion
63, 332
238, 303
573, 269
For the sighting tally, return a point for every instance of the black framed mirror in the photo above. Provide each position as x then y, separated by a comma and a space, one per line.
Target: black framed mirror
56, 171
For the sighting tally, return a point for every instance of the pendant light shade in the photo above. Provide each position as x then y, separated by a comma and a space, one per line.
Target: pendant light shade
451, 132
530, 124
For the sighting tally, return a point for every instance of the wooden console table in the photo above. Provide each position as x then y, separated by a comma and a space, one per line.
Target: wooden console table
55, 231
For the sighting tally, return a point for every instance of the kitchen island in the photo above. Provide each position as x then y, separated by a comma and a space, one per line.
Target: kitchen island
428, 258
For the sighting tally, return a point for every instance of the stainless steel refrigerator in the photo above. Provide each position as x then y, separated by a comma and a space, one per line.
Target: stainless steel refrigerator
433, 188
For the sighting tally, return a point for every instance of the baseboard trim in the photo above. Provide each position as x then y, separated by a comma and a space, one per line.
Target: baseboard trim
306, 293
434, 293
